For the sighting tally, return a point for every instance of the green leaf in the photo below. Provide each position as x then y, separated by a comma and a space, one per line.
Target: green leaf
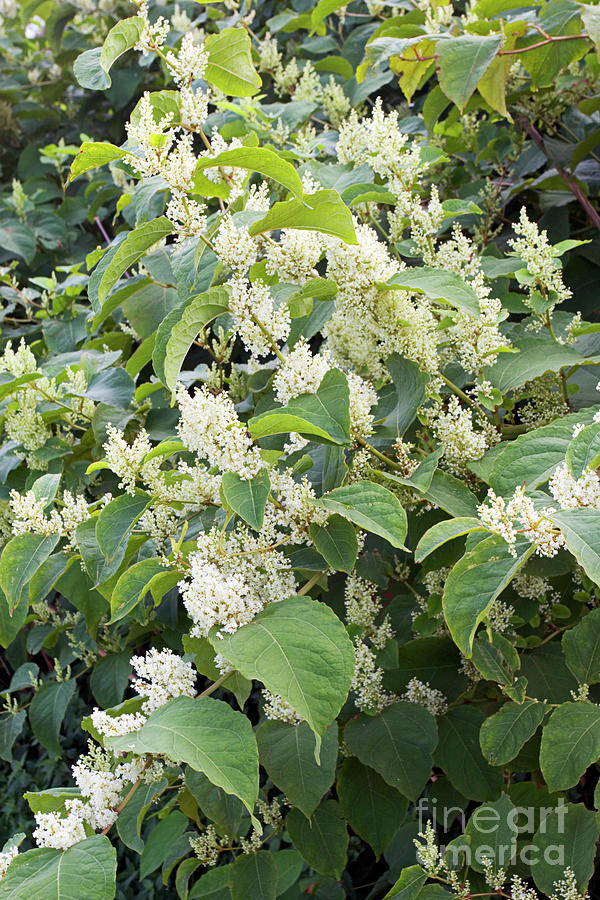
324, 416
178, 331
122, 37
298, 648
254, 876
261, 160
566, 839
87, 869
130, 251
437, 284
93, 154
492, 834
287, 752
322, 840
570, 743
109, 678
445, 531
88, 71
47, 712
371, 807
336, 542
477, 579
223, 809
213, 885
11, 726
400, 400
503, 734
370, 506
581, 531
409, 885
583, 450
398, 743
133, 585
460, 756
323, 211
533, 457
435, 660
535, 357
20, 560
230, 67
451, 495
247, 497
581, 646
116, 520
50, 800
462, 61
159, 841
94, 560
206, 734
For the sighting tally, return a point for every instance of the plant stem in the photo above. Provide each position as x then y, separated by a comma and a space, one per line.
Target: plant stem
216, 684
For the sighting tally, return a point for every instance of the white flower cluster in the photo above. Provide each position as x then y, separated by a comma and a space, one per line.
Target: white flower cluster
208, 845
111, 726
233, 575
260, 324
500, 518
572, 493
363, 606
29, 515
419, 692
210, 426
6, 857
294, 257
127, 460
535, 250
161, 676
367, 681
275, 707
461, 443
294, 511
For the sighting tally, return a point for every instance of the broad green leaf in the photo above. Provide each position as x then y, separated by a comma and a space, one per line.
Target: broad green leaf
535, 357
213, 885
116, 520
230, 67
47, 712
322, 840
548, 677
289, 866
503, 734
445, 531
583, 450
398, 743
324, 211
51, 799
477, 579
261, 160
87, 869
399, 401
566, 839
437, 284
133, 585
450, 494
131, 250
325, 8
489, 659
570, 743
159, 841
299, 649
581, 531
546, 61
324, 416
247, 497
409, 885
18, 239
11, 725
254, 876
209, 736
462, 61
532, 458
370, 506
20, 560
336, 542
371, 807
590, 16
131, 818
96, 564
122, 37
459, 754
492, 834
223, 809
287, 752
92, 155
581, 646
110, 677
179, 330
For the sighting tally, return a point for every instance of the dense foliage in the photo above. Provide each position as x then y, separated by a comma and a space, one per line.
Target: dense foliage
300, 423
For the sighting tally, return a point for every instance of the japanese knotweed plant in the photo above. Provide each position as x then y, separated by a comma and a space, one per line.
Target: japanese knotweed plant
301, 511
